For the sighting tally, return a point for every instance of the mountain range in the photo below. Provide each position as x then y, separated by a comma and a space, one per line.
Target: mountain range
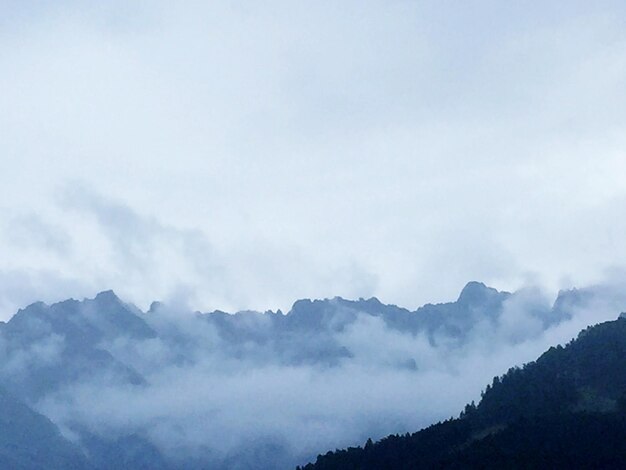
100, 384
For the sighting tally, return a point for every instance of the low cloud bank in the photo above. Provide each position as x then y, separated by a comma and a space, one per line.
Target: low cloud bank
272, 390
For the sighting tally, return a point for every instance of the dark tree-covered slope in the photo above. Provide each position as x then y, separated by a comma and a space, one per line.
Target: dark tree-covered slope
565, 410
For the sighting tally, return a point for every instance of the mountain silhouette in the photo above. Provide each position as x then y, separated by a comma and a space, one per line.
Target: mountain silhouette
567, 409
84, 363
29, 440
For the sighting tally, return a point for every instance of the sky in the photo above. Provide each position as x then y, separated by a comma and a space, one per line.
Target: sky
242, 155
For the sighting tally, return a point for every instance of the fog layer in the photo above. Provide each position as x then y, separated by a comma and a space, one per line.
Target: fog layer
269, 390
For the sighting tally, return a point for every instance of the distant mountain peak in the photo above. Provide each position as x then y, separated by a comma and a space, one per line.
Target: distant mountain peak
155, 306
39, 305
301, 304
476, 292
107, 296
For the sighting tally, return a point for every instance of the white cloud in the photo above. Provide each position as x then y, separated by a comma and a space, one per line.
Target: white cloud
226, 398
395, 149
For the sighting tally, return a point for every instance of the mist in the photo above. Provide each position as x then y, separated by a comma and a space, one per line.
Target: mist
243, 157
271, 390
255, 154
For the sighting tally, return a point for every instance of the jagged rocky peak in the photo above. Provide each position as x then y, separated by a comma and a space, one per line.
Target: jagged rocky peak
32, 308
570, 297
107, 301
301, 305
306, 313
318, 305
155, 306
358, 304
476, 293
112, 315
107, 297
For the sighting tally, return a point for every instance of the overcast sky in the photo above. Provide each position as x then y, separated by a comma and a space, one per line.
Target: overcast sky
245, 154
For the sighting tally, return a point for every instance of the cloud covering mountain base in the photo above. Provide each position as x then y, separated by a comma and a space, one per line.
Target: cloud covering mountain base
267, 390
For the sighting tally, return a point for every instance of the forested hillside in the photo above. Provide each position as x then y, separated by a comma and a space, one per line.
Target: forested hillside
567, 409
